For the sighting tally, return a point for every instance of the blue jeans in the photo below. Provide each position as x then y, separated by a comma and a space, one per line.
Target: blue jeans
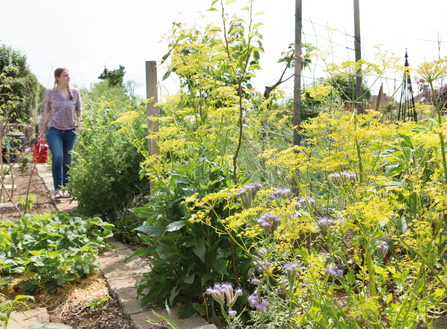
61, 143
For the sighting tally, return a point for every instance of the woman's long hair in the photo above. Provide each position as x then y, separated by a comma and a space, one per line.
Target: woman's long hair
57, 74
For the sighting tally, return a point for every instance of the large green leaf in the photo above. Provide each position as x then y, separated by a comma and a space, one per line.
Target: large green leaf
175, 226
151, 230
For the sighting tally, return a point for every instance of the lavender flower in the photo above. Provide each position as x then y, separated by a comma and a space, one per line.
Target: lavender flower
291, 271
282, 193
222, 290
251, 272
324, 223
335, 271
263, 305
254, 299
269, 222
343, 176
231, 313
254, 280
161, 326
248, 193
263, 265
301, 202
382, 248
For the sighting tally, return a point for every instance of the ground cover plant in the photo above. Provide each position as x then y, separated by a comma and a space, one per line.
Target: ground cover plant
49, 250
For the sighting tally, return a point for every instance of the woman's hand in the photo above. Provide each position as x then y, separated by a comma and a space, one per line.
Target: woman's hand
79, 127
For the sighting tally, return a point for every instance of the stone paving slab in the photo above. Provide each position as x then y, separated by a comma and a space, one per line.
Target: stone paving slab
122, 277
38, 315
194, 322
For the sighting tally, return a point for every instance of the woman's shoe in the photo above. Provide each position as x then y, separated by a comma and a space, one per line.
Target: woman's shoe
65, 194
58, 194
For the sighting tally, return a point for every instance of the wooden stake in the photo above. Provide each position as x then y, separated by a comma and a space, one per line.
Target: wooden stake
152, 109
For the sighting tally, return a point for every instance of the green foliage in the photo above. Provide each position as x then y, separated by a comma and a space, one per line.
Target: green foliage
345, 86
187, 256
104, 177
10, 306
51, 249
99, 304
25, 203
114, 77
19, 88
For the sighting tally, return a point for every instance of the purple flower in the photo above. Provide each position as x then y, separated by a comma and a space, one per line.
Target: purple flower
254, 299
263, 265
324, 223
262, 306
254, 280
343, 176
335, 271
161, 326
248, 193
269, 222
301, 202
231, 313
291, 267
222, 290
282, 193
251, 272
382, 248
291, 271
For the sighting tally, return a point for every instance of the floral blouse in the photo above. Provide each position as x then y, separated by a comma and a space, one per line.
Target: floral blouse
64, 109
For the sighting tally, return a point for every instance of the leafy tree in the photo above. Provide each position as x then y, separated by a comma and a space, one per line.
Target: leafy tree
114, 77
19, 88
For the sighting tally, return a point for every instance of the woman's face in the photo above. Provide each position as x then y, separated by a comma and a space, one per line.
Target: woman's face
64, 78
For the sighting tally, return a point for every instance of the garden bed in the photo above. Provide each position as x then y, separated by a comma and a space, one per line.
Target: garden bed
70, 305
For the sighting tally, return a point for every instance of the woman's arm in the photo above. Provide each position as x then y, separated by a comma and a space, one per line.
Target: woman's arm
46, 116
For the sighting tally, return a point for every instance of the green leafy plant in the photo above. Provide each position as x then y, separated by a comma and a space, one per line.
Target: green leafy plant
99, 304
25, 203
187, 256
7, 307
37, 325
108, 183
51, 249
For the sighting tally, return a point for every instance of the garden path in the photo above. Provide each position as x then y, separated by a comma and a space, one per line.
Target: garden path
123, 276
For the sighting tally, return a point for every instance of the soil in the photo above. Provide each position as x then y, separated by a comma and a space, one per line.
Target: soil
42, 202
63, 308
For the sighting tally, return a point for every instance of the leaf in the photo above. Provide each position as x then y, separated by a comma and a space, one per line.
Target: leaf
402, 225
254, 67
200, 250
229, 1
175, 226
189, 279
219, 57
150, 230
187, 310
213, 2
245, 8
206, 277
235, 30
200, 308
259, 13
212, 9
257, 25
215, 29
389, 298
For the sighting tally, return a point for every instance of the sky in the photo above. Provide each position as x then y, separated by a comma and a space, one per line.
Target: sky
86, 35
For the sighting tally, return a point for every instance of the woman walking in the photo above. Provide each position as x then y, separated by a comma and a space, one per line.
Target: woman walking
61, 121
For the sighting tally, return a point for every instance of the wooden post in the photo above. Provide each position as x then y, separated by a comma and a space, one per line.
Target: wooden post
296, 120
297, 82
358, 56
152, 110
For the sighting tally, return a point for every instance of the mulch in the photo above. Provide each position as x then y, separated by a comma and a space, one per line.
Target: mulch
69, 304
